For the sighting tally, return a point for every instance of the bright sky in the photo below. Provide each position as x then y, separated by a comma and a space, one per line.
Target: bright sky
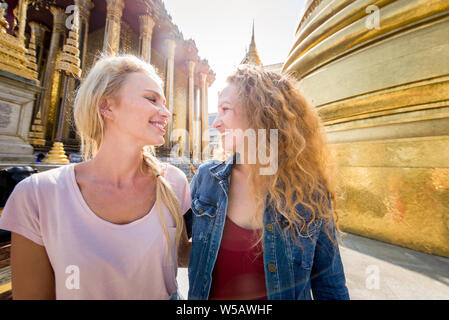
222, 32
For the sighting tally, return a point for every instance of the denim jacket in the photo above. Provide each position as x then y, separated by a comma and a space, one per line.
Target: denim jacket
290, 271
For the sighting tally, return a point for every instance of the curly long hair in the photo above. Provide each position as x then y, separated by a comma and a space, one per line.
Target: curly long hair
271, 100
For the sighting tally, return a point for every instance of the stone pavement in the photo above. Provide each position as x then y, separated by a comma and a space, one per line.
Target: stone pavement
378, 270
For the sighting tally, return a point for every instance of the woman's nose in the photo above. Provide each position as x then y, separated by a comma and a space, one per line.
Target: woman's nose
216, 122
164, 111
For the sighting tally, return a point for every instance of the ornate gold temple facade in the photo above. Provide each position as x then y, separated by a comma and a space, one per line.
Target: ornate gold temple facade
378, 72
33, 33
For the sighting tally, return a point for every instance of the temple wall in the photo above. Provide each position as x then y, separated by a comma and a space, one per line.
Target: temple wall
129, 41
383, 94
94, 48
158, 61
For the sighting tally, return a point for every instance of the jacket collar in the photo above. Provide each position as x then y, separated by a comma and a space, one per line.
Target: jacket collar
222, 170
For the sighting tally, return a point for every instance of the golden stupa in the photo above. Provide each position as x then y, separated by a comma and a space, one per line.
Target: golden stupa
378, 73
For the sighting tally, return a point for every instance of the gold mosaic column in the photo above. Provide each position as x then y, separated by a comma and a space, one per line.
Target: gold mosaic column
84, 7
196, 124
49, 82
203, 111
169, 88
38, 33
23, 8
111, 43
190, 103
146, 24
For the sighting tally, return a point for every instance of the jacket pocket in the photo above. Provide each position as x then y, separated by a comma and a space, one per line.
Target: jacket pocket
303, 247
312, 230
203, 208
204, 213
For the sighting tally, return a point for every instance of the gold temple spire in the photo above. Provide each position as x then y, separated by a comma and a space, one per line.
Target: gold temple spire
68, 63
68, 60
252, 57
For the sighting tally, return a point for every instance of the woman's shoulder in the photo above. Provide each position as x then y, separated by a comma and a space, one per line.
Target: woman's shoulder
204, 168
179, 184
44, 179
173, 173
23, 211
204, 183
49, 178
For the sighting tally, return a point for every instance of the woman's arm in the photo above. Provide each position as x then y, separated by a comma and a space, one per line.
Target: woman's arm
185, 245
328, 278
32, 274
184, 254
184, 250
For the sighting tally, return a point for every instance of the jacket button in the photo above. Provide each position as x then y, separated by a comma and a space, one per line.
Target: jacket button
201, 211
272, 267
270, 227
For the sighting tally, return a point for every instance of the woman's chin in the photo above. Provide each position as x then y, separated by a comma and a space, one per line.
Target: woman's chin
156, 141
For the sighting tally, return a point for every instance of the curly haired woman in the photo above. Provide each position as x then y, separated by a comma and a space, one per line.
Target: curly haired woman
259, 235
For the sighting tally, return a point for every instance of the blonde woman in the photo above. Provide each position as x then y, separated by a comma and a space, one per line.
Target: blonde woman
107, 228
265, 230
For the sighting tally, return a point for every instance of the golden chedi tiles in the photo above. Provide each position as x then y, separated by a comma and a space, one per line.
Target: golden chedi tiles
383, 94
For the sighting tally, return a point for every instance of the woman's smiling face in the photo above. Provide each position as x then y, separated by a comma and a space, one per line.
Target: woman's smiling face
230, 120
139, 110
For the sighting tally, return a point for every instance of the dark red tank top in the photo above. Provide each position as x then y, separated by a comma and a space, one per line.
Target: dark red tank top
239, 270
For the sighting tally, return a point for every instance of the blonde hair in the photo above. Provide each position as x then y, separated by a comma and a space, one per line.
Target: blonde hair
104, 81
271, 100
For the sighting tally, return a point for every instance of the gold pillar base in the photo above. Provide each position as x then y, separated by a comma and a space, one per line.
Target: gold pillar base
57, 154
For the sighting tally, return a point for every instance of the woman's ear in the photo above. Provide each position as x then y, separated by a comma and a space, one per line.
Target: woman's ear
105, 109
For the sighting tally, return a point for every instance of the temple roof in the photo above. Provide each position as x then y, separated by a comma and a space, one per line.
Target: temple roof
252, 57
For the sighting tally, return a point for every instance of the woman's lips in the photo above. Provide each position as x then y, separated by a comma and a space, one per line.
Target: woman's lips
159, 126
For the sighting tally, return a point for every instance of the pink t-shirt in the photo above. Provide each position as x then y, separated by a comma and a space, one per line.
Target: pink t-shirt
91, 257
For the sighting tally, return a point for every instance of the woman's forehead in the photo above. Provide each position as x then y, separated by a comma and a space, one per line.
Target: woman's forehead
142, 81
228, 93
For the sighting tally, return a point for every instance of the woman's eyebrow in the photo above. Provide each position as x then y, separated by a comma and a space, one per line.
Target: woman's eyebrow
225, 102
157, 94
